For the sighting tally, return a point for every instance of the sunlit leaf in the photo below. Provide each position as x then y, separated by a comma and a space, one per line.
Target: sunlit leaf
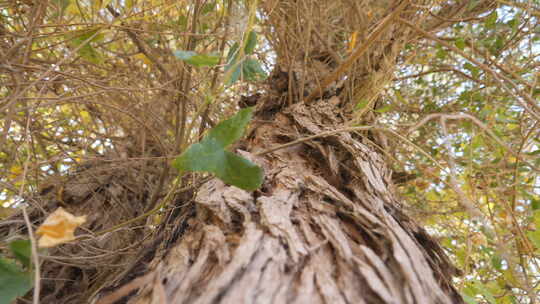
62, 5
496, 262
143, 58
352, 41
58, 228
384, 109
198, 60
87, 51
361, 104
441, 53
535, 204
15, 172
534, 237
208, 7
469, 299
483, 290
491, 20
460, 43
473, 69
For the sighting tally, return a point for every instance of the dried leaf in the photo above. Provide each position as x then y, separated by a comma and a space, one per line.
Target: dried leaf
58, 228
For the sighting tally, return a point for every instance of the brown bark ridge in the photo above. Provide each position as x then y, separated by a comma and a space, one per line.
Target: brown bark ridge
324, 228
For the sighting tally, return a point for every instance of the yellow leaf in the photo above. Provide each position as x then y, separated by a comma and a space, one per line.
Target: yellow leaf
73, 8
352, 41
85, 116
58, 228
15, 171
143, 58
479, 239
66, 109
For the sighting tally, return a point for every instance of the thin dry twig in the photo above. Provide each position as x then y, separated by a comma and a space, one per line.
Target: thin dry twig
524, 99
45, 74
479, 124
33, 243
126, 289
343, 67
35, 257
463, 199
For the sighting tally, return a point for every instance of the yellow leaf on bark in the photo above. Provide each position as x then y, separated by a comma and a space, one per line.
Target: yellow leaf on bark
58, 228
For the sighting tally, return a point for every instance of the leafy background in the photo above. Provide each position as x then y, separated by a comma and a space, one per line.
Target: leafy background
97, 76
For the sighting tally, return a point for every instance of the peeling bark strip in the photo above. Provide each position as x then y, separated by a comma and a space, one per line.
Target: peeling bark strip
323, 230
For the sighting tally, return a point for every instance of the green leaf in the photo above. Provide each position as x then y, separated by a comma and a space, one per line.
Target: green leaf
477, 142
62, 4
484, 291
87, 51
496, 262
513, 23
13, 281
472, 4
469, 299
207, 8
534, 236
491, 20
361, 104
246, 69
232, 129
536, 220
383, 109
498, 44
532, 153
473, 69
78, 37
251, 43
182, 22
460, 43
252, 70
535, 204
195, 59
210, 155
230, 168
232, 58
21, 249
400, 97
441, 53
236, 74
232, 55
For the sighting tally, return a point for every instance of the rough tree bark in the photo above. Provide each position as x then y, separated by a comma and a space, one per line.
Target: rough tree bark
325, 228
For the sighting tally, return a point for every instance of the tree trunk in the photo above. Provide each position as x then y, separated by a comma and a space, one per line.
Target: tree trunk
325, 228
